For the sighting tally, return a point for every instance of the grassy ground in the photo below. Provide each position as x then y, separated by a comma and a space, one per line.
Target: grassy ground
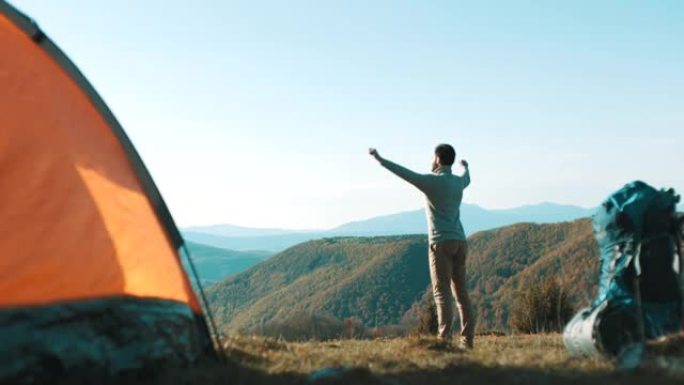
537, 359
405, 354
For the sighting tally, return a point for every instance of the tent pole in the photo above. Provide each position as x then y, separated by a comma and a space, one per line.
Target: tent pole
679, 238
216, 338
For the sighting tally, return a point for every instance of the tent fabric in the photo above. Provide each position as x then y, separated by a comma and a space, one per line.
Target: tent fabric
70, 193
90, 258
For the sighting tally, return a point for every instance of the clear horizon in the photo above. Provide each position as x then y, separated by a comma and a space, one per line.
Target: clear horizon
367, 218
260, 113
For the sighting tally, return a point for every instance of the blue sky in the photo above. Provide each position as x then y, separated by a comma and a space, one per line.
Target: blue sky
259, 113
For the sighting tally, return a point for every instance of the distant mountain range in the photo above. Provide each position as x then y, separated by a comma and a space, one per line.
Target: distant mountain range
474, 219
380, 279
214, 264
240, 231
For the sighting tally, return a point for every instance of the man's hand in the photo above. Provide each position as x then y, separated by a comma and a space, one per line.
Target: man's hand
374, 153
464, 163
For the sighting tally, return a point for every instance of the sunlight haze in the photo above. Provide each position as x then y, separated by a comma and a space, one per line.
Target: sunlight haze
260, 113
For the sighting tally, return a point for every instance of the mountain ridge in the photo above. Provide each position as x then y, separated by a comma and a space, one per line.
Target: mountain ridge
473, 217
328, 275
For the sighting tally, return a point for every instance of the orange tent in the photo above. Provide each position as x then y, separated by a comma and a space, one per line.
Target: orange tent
86, 238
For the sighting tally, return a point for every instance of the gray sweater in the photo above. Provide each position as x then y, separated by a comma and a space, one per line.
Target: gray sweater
443, 194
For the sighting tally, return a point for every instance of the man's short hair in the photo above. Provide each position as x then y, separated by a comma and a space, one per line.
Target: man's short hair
446, 154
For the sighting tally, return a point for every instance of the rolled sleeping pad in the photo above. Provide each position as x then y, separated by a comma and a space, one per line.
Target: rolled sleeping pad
606, 329
579, 336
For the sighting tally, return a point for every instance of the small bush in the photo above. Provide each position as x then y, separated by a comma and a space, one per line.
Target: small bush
389, 331
427, 317
541, 308
309, 326
354, 328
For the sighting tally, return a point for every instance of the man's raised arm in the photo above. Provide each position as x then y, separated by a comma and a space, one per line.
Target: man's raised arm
416, 179
466, 174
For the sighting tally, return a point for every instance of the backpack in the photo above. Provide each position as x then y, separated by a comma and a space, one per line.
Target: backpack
639, 295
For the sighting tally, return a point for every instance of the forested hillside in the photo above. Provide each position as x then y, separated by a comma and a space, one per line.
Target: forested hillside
374, 279
379, 279
503, 262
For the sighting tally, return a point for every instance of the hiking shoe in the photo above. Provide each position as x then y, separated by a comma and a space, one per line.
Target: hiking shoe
466, 344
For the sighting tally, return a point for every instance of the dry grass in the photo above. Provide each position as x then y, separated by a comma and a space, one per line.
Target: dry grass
524, 359
391, 356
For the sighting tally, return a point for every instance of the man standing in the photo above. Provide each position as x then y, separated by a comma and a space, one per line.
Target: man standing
443, 192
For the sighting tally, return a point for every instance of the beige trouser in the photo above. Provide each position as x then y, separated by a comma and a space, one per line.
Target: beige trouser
447, 270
